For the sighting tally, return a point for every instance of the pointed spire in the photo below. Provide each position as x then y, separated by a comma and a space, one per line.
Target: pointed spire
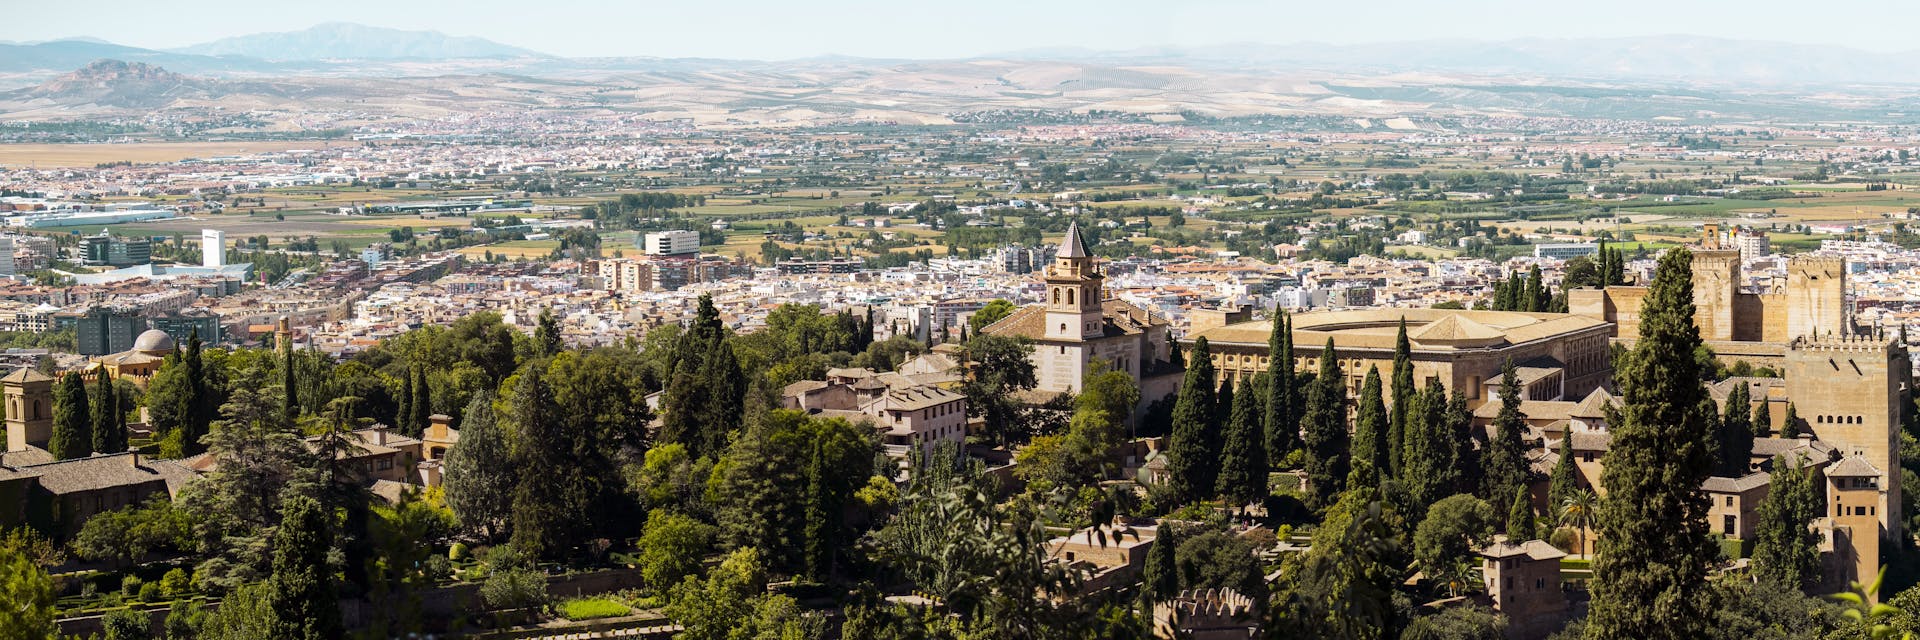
1071, 247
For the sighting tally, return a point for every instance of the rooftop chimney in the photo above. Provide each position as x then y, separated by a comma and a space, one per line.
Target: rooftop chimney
133, 457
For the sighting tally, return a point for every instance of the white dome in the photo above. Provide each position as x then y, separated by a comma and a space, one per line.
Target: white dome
153, 340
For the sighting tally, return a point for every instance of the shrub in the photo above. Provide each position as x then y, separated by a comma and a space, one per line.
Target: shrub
151, 592
130, 586
591, 608
514, 589
176, 582
438, 568
458, 551
127, 624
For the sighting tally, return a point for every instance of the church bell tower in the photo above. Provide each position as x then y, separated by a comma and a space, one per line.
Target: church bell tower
1073, 292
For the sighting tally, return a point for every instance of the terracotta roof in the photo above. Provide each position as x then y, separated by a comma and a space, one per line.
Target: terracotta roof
1121, 318
1594, 406
1456, 329
1591, 441
918, 398
1534, 549
1815, 451
106, 471
26, 374
1375, 328
1853, 467
1743, 484
1533, 409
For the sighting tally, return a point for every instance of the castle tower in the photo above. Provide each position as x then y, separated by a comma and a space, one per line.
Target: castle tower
1073, 291
1853, 501
1847, 390
29, 397
1817, 296
1716, 285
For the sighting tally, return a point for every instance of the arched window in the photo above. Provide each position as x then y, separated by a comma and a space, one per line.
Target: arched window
1063, 327
1056, 296
1070, 296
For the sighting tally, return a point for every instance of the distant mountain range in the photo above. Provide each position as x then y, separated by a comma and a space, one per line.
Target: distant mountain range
1691, 58
343, 49
348, 41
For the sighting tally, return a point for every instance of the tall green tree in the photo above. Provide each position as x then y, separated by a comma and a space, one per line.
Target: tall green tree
301, 588
1403, 392
1736, 433
1565, 479
1506, 455
420, 405
1281, 429
546, 336
72, 426
706, 391
1191, 458
1790, 423
1327, 440
289, 380
479, 480
550, 495
1243, 460
202, 402
1161, 576
109, 418
1786, 551
1654, 550
1520, 522
28, 594
1762, 420
1371, 436
1429, 471
1002, 366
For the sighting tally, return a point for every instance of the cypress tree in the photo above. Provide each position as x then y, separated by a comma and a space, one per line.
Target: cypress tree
820, 525
1222, 413
404, 414
1762, 420
1281, 429
72, 425
1506, 455
1654, 547
546, 336
1536, 293
1469, 466
422, 404
1736, 433
1190, 462
289, 384
1429, 471
200, 405
1403, 392
1520, 523
547, 502
1565, 479
726, 393
109, 424
300, 590
1161, 576
1786, 552
1371, 439
1326, 432
1243, 468
1790, 424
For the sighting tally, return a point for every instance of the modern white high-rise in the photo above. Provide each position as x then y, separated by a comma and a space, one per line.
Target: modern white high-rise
671, 243
213, 248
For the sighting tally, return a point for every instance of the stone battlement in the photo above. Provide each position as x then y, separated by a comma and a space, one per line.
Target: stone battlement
1842, 344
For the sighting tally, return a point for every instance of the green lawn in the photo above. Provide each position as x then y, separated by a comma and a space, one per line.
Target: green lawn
592, 608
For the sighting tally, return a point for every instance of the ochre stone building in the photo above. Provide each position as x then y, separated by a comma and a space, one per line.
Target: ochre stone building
1556, 355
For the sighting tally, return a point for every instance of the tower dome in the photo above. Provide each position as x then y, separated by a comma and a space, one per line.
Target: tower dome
154, 341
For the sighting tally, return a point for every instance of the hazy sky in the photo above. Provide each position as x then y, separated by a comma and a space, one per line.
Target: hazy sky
775, 29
